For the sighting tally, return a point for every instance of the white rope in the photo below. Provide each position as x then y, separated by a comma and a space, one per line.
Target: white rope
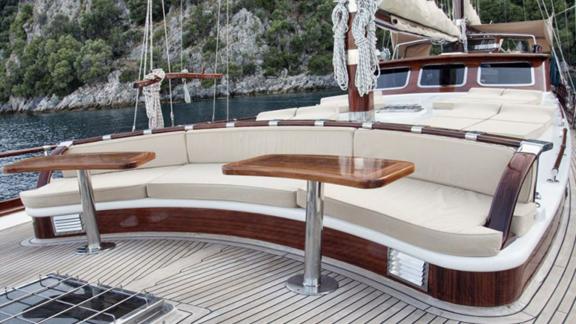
169, 64
340, 18
364, 32
187, 98
227, 60
152, 99
216, 60
143, 62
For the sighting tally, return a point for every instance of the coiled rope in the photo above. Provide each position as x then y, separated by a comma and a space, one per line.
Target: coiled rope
364, 33
152, 99
340, 18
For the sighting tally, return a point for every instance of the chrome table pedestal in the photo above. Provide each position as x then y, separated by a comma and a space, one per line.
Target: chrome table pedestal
312, 283
88, 217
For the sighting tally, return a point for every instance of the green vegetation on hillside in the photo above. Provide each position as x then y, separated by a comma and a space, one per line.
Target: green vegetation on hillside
297, 38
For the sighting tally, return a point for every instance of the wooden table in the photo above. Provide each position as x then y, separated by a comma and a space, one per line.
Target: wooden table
82, 163
363, 173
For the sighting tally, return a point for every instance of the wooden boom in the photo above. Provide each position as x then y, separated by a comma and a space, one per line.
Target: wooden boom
172, 76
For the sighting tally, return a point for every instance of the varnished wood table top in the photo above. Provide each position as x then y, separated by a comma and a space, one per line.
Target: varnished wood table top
364, 173
88, 161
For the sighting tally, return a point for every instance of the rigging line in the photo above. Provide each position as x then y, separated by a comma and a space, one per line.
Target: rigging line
565, 12
558, 40
151, 31
141, 68
524, 9
216, 60
227, 60
169, 64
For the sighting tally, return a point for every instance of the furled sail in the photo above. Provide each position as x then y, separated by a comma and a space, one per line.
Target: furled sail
419, 17
471, 14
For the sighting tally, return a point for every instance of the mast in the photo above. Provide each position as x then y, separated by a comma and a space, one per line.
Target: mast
458, 7
361, 107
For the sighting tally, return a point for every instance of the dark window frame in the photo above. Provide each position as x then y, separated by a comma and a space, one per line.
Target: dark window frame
406, 83
532, 76
456, 85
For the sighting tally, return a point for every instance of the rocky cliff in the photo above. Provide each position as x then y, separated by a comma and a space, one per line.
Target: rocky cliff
249, 39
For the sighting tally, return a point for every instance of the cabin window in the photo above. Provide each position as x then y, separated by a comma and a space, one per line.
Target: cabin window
509, 74
396, 78
450, 75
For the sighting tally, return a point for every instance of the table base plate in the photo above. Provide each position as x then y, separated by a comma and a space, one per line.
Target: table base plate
104, 246
327, 285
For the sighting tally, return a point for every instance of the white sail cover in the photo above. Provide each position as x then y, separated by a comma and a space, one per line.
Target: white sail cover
471, 14
421, 17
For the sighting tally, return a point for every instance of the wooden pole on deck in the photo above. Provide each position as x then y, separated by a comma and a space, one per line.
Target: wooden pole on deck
361, 107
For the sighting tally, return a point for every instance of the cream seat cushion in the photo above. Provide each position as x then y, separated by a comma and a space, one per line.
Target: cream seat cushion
234, 144
277, 114
489, 91
470, 110
432, 216
327, 112
442, 122
170, 149
207, 182
117, 186
510, 128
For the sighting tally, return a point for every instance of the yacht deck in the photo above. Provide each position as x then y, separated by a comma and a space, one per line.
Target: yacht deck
213, 280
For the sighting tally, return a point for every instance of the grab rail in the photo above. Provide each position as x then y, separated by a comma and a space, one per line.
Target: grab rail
508, 190
560, 156
38, 149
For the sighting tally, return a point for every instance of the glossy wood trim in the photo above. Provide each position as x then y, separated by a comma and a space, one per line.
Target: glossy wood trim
356, 102
507, 193
473, 62
562, 150
26, 151
490, 289
358, 172
482, 289
86, 161
44, 177
11, 206
179, 75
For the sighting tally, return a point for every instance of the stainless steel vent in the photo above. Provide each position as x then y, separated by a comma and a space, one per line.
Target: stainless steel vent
408, 269
67, 224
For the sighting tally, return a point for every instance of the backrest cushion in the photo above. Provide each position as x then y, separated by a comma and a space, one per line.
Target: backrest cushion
453, 162
233, 144
170, 149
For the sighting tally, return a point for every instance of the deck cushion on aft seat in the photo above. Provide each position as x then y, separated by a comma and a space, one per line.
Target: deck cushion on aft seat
432, 216
207, 182
170, 149
117, 186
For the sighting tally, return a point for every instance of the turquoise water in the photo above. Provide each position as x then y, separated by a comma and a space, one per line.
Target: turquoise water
20, 131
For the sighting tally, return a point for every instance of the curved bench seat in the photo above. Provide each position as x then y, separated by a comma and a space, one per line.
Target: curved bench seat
432, 216
207, 182
126, 185
442, 207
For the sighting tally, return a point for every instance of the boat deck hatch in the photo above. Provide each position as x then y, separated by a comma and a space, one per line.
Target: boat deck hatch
400, 108
63, 299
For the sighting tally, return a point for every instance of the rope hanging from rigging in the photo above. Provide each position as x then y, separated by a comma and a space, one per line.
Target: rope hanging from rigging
152, 99
340, 18
364, 33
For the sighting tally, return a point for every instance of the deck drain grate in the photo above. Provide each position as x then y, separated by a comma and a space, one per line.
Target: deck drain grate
64, 299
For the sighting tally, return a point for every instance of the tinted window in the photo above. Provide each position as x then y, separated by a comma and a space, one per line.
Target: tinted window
443, 75
393, 78
506, 73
